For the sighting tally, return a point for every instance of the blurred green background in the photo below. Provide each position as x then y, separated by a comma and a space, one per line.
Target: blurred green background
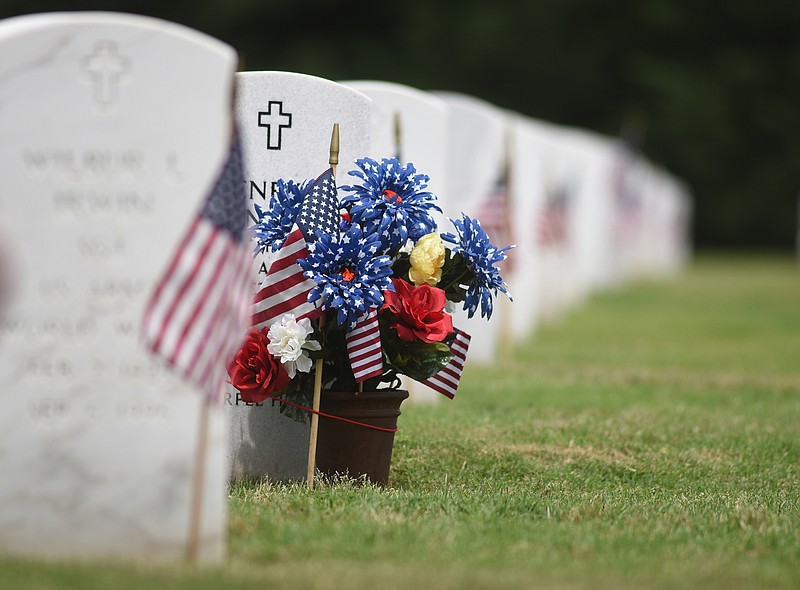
709, 90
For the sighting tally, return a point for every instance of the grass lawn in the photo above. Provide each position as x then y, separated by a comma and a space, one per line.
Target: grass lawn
649, 440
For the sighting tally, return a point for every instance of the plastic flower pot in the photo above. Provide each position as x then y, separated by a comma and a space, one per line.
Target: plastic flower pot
353, 449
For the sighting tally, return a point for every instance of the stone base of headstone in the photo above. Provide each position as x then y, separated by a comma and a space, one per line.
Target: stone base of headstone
263, 442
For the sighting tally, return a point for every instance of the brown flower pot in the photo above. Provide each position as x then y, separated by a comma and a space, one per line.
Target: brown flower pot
355, 450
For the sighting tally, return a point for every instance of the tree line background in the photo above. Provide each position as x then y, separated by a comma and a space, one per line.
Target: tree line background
709, 90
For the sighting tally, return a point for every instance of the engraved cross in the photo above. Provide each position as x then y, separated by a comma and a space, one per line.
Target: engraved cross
106, 69
275, 122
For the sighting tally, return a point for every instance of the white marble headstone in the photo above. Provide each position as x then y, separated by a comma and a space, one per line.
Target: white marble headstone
285, 121
411, 125
531, 142
5, 275
477, 149
680, 221
113, 129
561, 179
587, 167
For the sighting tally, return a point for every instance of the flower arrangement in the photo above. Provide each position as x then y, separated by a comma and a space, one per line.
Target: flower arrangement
388, 262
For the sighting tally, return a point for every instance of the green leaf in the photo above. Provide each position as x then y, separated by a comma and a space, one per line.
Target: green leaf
455, 274
416, 359
401, 266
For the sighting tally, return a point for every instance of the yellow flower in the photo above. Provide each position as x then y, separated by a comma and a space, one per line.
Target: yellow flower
427, 259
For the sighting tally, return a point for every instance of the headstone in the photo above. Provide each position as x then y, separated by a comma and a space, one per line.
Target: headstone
285, 121
5, 274
592, 156
674, 221
563, 169
657, 265
532, 144
477, 163
642, 254
411, 125
683, 223
113, 130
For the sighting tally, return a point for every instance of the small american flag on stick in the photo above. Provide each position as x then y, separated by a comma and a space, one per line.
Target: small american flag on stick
285, 289
364, 347
495, 215
446, 381
552, 230
197, 315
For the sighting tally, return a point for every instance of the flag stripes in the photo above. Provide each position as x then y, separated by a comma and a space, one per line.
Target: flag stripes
199, 308
446, 381
224, 328
552, 227
285, 289
495, 216
364, 347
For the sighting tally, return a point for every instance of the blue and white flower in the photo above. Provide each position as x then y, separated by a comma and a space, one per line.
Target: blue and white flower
391, 202
480, 256
275, 222
349, 272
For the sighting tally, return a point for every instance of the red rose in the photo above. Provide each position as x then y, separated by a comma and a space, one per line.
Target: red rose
419, 312
254, 371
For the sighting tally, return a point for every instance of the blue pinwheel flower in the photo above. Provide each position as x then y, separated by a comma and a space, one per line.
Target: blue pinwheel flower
480, 256
391, 202
275, 222
349, 272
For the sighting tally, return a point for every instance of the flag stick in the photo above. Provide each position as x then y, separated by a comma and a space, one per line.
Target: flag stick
312, 441
506, 336
196, 509
333, 160
398, 137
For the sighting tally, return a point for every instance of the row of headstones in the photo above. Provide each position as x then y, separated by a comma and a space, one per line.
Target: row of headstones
113, 129
584, 211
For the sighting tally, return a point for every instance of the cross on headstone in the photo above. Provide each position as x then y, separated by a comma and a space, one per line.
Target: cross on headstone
274, 122
105, 67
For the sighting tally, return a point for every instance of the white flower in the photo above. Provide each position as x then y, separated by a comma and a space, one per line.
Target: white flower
288, 340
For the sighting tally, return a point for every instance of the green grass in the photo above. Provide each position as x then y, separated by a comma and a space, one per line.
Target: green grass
649, 440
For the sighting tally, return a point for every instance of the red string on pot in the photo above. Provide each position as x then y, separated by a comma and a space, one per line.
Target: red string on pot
299, 407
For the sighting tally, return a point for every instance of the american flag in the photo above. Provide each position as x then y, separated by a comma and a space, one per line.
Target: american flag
554, 218
198, 313
364, 347
495, 215
446, 381
285, 288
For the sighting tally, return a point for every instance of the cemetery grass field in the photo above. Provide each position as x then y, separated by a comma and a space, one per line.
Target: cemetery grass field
651, 439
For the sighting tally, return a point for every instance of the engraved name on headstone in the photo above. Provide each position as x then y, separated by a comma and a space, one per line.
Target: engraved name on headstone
104, 165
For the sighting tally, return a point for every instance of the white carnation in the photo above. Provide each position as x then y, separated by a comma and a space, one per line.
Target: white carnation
288, 340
